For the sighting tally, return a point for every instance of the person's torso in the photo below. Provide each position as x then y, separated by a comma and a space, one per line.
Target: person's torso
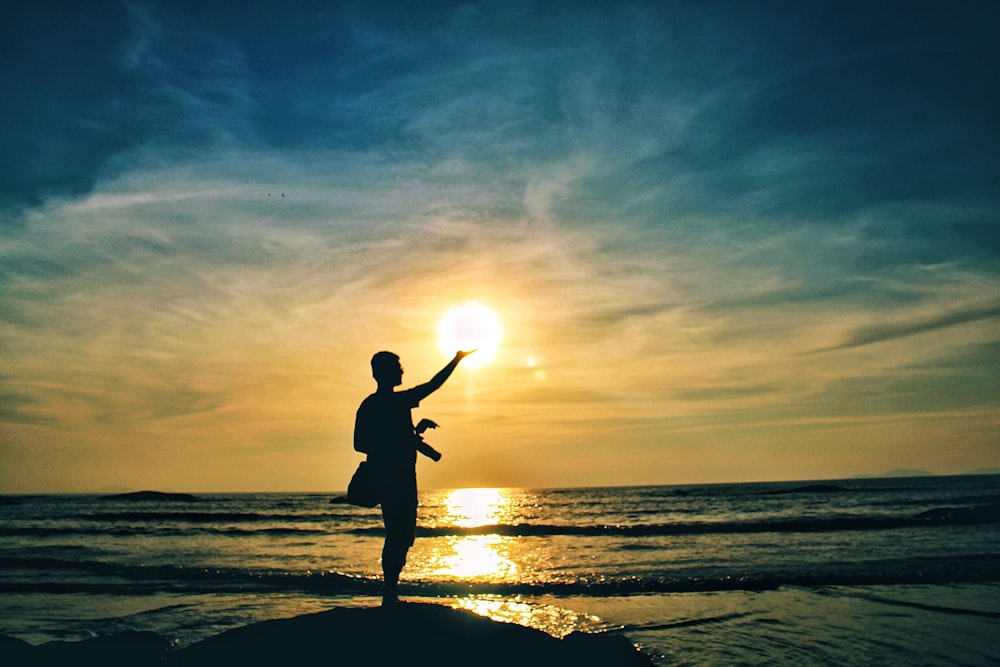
387, 426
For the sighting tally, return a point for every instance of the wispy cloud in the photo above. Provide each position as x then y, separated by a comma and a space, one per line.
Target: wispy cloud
891, 330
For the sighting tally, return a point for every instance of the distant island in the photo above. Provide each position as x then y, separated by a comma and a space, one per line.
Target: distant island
983, 471
906, 472
152, 495
899, 472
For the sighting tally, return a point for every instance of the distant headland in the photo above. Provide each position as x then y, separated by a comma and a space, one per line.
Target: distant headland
152, 495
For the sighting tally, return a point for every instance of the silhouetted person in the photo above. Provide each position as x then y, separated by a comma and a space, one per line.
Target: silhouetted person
384, 430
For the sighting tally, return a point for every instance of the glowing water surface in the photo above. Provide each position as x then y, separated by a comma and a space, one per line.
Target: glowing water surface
470, 557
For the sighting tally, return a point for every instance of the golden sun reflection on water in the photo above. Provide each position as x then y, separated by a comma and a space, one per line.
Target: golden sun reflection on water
556, 621
477, 507
474, 556
491, 558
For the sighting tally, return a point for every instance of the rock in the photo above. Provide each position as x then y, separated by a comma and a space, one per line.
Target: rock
419, 634
406, 634
15, 651
126, 649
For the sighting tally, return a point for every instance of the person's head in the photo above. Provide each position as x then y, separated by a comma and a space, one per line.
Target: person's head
386, 369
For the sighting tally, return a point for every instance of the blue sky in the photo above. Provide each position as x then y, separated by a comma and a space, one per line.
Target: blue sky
739, 241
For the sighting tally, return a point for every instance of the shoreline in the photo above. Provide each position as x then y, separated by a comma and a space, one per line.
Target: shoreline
421, 632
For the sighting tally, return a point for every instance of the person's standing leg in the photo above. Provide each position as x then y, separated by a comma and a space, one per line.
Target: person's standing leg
399, 514
393, 552
400, 518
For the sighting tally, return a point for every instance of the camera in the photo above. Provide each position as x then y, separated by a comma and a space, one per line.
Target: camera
426, 449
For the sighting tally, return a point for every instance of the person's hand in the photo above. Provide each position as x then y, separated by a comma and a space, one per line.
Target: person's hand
462, 355
425, 424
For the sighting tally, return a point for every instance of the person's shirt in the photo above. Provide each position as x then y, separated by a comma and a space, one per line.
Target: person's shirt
383, 428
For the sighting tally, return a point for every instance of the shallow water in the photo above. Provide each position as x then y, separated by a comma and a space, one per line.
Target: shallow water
871, 625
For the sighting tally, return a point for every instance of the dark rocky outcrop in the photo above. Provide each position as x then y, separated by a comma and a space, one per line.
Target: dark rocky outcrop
125, 649
406, 634
418, 634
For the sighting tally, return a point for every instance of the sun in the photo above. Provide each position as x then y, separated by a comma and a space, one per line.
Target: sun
470, 326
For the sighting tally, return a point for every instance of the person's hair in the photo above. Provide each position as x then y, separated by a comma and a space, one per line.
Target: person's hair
383, 362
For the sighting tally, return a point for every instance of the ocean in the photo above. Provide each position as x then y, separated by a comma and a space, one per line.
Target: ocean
846, 572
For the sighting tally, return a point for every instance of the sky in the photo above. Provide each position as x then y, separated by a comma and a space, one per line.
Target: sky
726, 241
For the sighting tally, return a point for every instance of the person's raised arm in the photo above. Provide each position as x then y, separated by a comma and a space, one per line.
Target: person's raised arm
435, 382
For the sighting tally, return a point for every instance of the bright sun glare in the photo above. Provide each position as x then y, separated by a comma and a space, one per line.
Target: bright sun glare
470, 326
